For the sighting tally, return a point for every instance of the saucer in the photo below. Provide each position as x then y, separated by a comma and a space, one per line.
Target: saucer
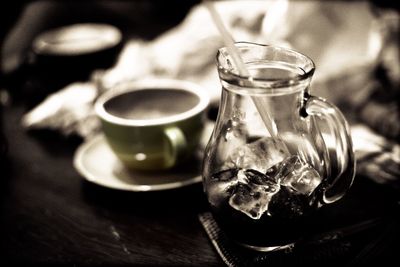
95, 161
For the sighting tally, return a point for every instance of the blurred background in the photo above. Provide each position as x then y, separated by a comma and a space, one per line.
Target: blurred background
77, 49
23, 21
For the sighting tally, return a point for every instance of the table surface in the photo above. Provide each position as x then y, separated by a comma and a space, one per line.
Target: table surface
50, 214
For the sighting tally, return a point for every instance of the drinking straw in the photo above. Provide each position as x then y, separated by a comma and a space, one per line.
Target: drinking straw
243, 71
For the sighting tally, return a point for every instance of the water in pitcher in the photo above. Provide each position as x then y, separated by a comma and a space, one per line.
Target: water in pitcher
264, 190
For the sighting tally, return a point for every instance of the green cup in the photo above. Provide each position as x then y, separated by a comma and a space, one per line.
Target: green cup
153, 124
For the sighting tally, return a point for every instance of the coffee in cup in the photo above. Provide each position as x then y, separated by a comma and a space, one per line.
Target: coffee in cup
153, 124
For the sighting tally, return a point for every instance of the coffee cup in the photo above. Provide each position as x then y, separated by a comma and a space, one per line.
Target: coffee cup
153, 124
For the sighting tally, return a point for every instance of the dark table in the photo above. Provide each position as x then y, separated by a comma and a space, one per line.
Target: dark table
50, 215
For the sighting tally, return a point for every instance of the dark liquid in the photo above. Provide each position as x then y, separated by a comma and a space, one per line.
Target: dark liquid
147, 104
236, 209
265, 232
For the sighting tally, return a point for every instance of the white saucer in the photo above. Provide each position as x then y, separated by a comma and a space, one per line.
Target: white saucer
95, 161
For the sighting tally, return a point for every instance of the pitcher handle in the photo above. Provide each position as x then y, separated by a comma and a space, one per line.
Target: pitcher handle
340, 163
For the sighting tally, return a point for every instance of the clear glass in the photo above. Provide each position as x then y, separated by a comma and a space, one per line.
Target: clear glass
263, 187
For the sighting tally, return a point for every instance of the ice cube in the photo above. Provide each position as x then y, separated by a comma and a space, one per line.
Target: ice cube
225, 176
221, 185
299, 176
253, 193
259, 155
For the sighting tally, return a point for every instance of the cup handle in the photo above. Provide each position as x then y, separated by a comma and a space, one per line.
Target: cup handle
339, 163
177, 143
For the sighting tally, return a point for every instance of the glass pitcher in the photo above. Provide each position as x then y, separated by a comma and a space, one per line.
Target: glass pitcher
264, 182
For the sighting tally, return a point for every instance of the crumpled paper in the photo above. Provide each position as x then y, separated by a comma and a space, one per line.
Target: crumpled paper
69, 111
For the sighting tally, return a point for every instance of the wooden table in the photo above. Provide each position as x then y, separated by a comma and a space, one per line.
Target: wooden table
50, 214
